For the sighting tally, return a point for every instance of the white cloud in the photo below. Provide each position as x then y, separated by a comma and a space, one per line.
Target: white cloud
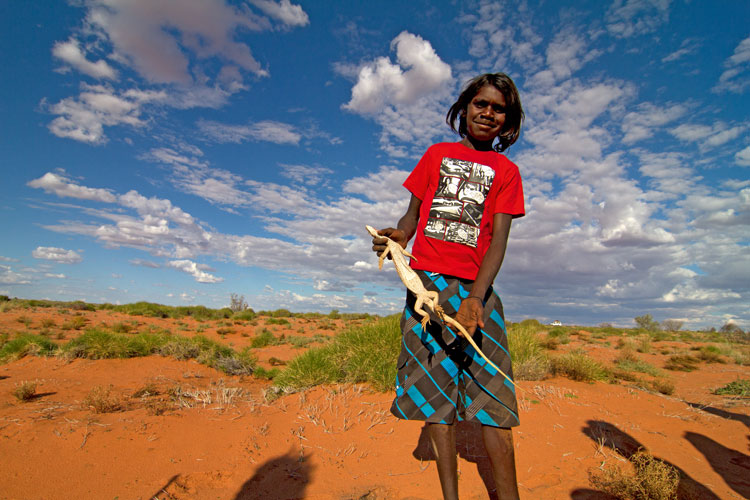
10, 277
742, 157
7, 259
707, 136
627, 18
194, 269
55, 276
267, 130
57, 254
735, 78
284, 11
71, 53
566, 54
83, 118
640, 124
306, 174
136, 30
418, 71
64, 187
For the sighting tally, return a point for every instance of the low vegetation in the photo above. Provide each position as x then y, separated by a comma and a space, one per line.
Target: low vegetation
25, 391
363, 354
652, 479
740, 387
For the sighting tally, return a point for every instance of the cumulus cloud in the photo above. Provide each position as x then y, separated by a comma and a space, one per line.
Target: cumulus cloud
189, 46
63, 187
735, 77
57, 254
408, 98
742, 157
84, 118
194, 269
641, 123
708, 136
418, 71
284, 11
70, 52
10, 277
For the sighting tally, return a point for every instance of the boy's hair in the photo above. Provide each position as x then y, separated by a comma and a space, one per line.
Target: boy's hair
513, 110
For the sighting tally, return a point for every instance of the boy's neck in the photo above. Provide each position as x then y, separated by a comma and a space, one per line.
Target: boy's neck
472, 143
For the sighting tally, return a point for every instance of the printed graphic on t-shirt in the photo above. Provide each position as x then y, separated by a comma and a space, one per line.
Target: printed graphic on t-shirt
458, 205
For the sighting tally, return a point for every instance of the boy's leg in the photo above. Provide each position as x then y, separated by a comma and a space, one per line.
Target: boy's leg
499, 444
443, 437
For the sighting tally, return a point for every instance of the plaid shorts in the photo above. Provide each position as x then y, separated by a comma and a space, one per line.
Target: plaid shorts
440, 375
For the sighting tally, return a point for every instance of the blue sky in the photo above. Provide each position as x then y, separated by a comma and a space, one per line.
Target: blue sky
177, 151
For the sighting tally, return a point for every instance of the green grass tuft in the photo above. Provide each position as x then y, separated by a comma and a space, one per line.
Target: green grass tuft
527, 352
27, 345
364, 354
578, 366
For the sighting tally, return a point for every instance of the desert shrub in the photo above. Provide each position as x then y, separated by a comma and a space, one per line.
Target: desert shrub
25, 391
246, 315
121, 327
298, 341
277, 321
710, 354
653, 479
671, 325
682, 362
644, 344
526, 351
366, 353
549, 343
578, 366
740, 387
27, 345
532, 324
334, 314
47, 323
637, 365
663, 386
647, 322
97, 344
74, 323
146, 391
237, 303
278, 313
101, 400
225, 331
264, 339
265, 374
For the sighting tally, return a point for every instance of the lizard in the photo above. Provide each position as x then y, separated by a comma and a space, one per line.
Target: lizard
423, 296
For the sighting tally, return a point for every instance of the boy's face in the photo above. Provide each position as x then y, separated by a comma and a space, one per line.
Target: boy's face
485, 114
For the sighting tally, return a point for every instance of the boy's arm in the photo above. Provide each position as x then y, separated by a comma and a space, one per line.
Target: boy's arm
404, 230
471, 310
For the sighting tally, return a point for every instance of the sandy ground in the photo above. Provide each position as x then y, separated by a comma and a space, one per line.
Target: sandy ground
185, 431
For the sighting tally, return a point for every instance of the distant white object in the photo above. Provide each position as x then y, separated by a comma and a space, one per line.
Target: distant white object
556, 323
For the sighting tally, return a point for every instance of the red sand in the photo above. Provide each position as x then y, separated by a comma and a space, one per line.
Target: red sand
336, 442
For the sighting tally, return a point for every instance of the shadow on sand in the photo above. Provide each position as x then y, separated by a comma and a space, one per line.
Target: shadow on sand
626, 445
283, 477
470, 447
731, 465
739, 417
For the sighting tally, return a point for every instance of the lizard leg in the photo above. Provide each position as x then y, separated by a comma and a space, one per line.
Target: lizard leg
382, 257
418, 309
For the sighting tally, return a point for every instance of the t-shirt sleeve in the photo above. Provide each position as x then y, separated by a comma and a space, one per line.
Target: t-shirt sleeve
419, 178
510, 198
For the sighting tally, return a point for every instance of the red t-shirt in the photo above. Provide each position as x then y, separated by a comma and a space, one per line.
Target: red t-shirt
461, 190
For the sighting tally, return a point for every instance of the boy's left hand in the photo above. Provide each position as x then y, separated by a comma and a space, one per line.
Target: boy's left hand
470, 314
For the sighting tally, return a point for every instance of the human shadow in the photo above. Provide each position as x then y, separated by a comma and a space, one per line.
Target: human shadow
469, 446
739, 417
730, 464
587, 494
281, 478
627, 446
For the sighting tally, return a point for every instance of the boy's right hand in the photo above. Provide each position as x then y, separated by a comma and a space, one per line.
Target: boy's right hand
397, 235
